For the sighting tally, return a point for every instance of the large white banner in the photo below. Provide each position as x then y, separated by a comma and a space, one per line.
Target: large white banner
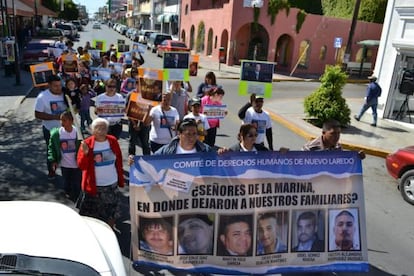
262, 212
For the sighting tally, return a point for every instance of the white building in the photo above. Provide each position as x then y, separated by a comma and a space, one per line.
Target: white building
395, 56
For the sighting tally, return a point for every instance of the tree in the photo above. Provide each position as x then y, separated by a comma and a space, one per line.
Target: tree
70, 11
370, 10
326, 102
312, 7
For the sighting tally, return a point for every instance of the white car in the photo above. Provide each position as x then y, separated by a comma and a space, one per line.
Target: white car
96, 25
51, 238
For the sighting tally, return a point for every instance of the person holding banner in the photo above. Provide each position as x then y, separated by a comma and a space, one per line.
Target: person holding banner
269, 240
186, 141
63, 146
101, 177
235, 236
49, 105
247, 137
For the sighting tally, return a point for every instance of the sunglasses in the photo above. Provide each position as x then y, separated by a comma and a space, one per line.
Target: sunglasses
251, 135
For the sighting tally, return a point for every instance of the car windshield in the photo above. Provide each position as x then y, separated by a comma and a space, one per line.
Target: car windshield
12, 264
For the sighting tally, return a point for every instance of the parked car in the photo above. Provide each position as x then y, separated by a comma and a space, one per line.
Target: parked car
129, 32
155, 39
134, 35
49, 238
50, 33
36, 52
171, 46
143, 36
78, 24
400, 165
69, 30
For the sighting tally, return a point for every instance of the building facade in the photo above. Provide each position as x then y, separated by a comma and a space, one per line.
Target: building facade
396, 56
307, 49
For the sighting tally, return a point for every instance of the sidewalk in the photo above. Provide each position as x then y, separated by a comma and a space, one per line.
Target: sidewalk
387, 137
11, 94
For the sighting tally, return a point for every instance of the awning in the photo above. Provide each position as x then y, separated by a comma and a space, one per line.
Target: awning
160, 18
369, 43
170, 17
21, 8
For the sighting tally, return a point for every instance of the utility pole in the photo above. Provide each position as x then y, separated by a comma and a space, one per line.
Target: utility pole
16, 47
352, 31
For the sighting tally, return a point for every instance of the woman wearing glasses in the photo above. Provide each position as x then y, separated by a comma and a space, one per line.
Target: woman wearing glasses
111, 106
186, 140
247, 137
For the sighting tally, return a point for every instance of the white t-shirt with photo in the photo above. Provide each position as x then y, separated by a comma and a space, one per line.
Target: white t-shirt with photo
261, 120
68, 148
104, 158
161, 132
49, 103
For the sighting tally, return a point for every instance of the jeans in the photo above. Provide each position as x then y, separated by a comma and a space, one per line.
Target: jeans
139, 138
72, 178
373, 104
85, 116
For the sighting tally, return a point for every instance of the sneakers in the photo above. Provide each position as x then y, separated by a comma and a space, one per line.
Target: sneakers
356, 118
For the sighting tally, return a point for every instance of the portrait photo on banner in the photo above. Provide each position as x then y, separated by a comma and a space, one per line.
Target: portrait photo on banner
176, 60
308, 231
156, 235
344, 230
70, 63
272, 232
257, 71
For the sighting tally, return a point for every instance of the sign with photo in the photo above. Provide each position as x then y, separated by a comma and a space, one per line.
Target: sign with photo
256, 77
138, 108
139, 47
70, 63
194, 60
9, 45
99, 44
150, 83
266, 198
98, 73
176, 65
41, 73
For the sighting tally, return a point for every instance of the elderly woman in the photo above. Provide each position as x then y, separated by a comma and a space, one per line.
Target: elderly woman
100, 160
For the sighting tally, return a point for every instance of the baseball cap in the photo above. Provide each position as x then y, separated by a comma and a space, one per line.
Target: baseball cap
260, 97
372, 77
194, 101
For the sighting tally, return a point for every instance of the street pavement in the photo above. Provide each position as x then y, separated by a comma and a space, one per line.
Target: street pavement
387, 137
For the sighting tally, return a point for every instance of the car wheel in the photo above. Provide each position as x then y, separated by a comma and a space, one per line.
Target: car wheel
407, 186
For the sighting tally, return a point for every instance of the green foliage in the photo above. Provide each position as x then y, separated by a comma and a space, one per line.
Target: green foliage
52, 5
300, 18
200, 37
370, 10
70, 12
326, 102
275, 6
313, 6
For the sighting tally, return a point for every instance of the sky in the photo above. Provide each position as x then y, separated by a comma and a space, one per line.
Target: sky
92, 6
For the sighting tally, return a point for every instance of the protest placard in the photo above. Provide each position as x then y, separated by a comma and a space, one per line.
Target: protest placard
256, 77
41, 73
